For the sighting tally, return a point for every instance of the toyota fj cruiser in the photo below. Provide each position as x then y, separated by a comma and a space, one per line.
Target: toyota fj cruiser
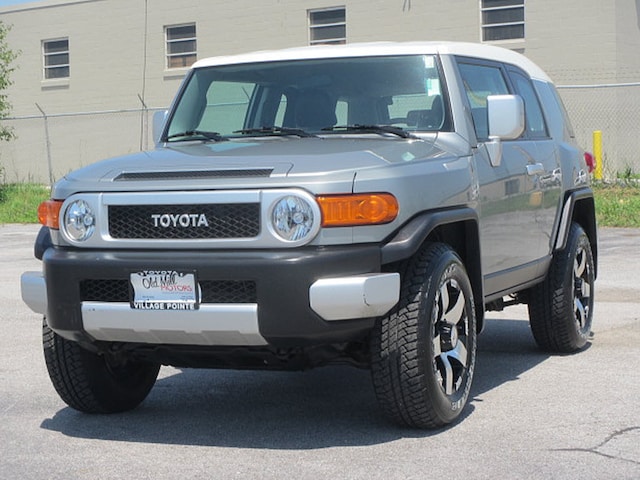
361, 204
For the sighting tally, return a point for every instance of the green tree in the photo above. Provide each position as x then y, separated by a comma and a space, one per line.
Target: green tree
7, 56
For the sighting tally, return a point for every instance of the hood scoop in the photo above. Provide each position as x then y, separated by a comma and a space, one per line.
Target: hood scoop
193, 174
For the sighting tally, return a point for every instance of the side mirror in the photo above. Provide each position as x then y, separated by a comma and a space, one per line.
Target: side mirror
159, 119
506, 122
506, 116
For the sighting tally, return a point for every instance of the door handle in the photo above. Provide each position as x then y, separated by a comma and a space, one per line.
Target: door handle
535, 169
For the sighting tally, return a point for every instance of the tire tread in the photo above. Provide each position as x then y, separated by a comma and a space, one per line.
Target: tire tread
551, 302
398, 380
83, 380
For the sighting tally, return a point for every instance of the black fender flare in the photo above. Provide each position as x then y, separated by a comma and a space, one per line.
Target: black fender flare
579, 206
408, 239
458, 227
42, 243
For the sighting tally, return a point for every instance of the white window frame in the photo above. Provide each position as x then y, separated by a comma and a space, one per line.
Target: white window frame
318, 26
484, 27
49, 68
167, 42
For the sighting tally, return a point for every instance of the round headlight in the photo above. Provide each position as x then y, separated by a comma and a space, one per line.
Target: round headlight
79, 221
292, 218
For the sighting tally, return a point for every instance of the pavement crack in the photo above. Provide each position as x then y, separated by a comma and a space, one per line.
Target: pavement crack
602, 448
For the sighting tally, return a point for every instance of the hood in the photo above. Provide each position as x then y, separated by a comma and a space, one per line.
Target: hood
246, 163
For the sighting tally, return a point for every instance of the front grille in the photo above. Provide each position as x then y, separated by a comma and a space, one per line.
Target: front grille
212, 291
228, 291
104, 290
184, 222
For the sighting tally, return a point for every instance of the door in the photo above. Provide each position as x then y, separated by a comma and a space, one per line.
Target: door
546, 171
509, 194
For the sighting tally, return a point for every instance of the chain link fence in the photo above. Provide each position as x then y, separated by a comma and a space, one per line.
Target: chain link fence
613, 109
48, 146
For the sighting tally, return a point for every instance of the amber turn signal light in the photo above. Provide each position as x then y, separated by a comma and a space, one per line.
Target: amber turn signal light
49, 213
357, 209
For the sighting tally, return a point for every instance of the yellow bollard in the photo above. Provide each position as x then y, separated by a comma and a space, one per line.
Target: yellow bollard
597, 154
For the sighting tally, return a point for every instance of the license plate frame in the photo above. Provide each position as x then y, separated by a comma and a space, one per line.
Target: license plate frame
164, 290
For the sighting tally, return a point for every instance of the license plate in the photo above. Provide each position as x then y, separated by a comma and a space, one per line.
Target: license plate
164, 290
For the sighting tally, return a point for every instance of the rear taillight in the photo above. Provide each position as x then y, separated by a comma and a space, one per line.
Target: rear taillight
590, 161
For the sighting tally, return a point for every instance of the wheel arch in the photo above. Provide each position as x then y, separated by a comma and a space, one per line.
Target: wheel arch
579, 207
43, 241
456, 227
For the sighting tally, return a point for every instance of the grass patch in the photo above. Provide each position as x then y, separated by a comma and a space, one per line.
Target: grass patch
617, 205
19, 202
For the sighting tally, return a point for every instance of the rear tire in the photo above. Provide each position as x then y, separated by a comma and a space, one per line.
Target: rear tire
561, 307
90, 382
424, 351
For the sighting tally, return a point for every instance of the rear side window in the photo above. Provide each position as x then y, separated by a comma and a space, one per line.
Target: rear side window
535, 124
563, 110
480, 81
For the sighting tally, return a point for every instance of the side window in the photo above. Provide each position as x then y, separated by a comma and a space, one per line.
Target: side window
480, 81
424, 111
226, 107
558, 121
536, 127
342, 112
281, 111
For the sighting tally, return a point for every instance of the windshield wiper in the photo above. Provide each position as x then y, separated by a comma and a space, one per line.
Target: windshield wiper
298, 132
399, 131
189, 134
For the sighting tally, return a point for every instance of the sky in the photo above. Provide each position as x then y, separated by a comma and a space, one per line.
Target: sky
4, 3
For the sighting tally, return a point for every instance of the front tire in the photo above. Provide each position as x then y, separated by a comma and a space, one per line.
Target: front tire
424, 351
561, 307
92, 383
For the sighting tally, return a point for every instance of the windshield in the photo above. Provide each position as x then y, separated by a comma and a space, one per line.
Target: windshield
311, 97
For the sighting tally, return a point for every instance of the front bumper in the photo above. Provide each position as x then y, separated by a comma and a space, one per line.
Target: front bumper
304, 297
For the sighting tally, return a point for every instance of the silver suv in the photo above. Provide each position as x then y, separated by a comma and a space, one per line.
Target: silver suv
360, 204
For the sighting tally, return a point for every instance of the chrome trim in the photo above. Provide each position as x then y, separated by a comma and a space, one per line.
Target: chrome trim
360, 296
34, 291
211, 324
100, 203
535, 169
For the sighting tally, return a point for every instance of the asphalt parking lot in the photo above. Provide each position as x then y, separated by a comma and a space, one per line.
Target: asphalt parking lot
531, 416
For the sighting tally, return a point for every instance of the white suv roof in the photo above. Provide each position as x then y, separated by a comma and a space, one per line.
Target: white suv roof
475, 50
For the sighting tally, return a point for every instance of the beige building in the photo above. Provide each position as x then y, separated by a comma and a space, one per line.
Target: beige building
91, 71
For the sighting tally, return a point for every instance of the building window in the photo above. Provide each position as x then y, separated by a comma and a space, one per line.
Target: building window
181, 45
502, 20
55, 54
327, 26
